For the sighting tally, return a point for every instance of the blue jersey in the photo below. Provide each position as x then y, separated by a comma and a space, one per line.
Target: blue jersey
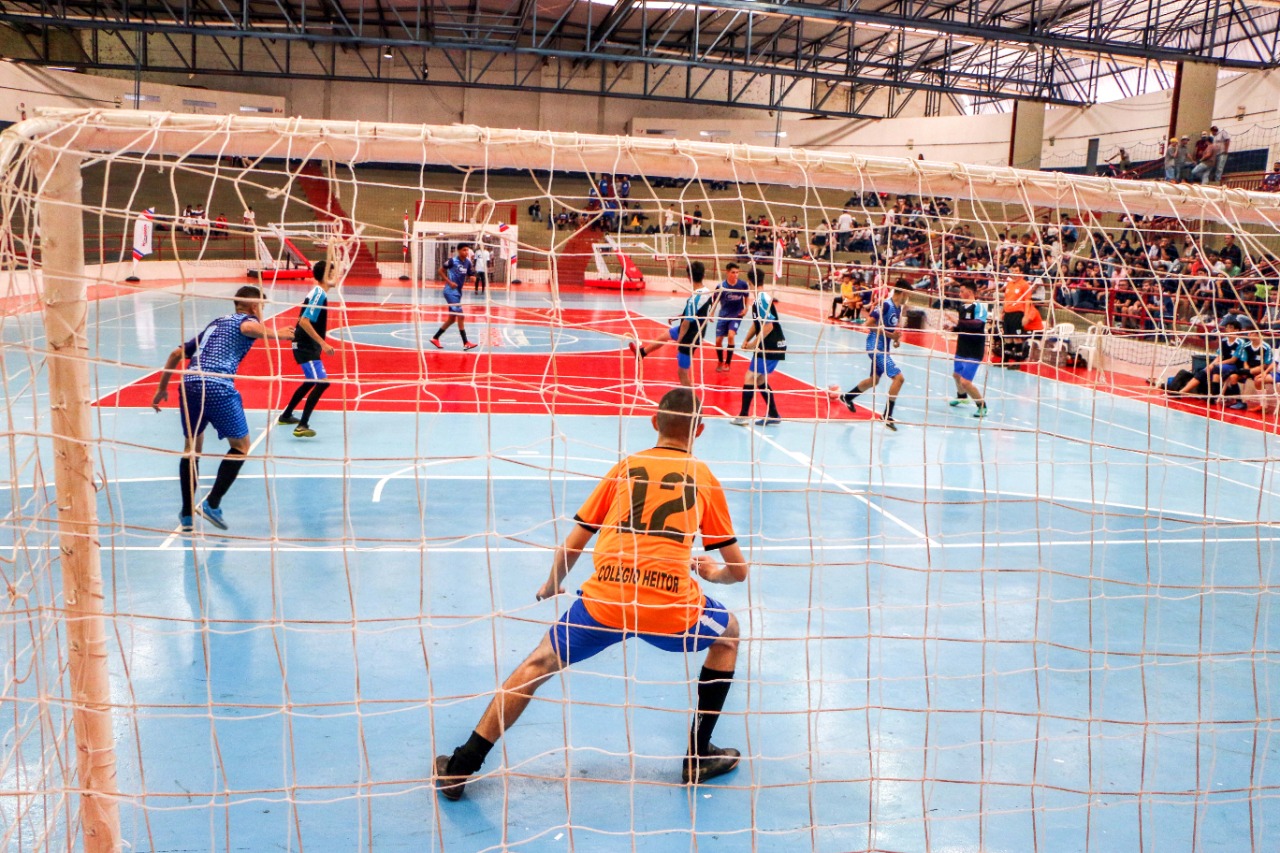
215, 354
457, 270
696, 309
884, 320
733, 298
1248, 356
315, 311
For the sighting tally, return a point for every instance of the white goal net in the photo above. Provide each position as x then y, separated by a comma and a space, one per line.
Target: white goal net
1045, 622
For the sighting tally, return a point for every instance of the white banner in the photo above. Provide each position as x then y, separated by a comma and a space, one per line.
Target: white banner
142, 234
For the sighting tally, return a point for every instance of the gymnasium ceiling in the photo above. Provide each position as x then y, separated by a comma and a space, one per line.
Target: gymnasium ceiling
808, 57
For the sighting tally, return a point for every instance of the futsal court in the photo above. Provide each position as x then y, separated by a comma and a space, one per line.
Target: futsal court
1037, 631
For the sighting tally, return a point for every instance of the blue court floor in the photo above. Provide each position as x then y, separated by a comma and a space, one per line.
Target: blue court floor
1052, 630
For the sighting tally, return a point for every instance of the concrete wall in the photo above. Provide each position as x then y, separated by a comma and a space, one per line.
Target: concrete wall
24, 87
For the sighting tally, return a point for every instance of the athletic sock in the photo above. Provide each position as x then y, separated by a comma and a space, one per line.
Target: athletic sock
713, 689
463, 332
316, 392
439, 332
962, 395
296, 399
888, 409
770, 406
748, 391
188, 474
849, 396
467, 758
227, 473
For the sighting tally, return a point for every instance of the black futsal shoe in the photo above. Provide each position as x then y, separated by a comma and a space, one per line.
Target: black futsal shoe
716, 762
450, 787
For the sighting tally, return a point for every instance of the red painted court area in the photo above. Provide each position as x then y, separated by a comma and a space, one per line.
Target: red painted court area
503, 376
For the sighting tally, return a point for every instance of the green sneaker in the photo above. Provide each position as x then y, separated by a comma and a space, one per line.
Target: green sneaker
304, 432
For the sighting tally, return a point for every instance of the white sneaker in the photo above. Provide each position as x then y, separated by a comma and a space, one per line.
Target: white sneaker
740, 421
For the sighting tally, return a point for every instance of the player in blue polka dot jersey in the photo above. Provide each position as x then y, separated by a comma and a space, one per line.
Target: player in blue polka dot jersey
209, 396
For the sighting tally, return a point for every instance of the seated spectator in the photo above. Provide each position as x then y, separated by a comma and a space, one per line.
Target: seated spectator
848, 305
1271, 180
1255, 361
1220, 373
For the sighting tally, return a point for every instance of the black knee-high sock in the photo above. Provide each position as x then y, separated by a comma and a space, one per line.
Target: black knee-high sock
767, 393
188, 476
303, 390
748, 391
850, 395
888, 410
316, 392
713, 689
467, 758
227, 473
439, 332
463, 332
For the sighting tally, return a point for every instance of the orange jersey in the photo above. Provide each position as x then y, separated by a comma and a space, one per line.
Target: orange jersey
1017, 295
647, 510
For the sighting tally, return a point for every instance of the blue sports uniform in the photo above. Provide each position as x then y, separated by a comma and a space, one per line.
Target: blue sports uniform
315, 309
733, 306
971, 340
209, 394
773, 348
884, 320
456, 271
696, 309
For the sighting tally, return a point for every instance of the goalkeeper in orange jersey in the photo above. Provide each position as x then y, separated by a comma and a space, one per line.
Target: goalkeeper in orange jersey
648, 510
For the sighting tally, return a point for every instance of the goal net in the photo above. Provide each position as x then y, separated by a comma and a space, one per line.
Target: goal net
1045, 622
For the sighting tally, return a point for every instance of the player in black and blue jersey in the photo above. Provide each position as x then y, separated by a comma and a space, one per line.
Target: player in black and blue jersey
732, 296
1255, 360
308, 346
971, 347
768, 346
456, 273
209, 396
686, 331
886, 333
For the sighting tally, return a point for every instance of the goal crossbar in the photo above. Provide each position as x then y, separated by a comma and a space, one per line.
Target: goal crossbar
179, 135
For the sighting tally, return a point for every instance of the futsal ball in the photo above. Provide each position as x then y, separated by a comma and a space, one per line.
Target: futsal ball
833, 391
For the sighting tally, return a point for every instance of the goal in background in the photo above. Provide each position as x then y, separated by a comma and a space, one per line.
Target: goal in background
74, 756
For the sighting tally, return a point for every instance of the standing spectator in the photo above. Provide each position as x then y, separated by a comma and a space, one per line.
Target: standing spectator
819, 240
1171, 159
1184, 158
1206, 162
624, 187
844, 226
1121, 162
1197, 153
669, 219
481, 260
1223, 140
249, 219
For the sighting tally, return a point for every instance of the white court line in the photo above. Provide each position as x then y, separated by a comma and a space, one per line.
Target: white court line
561, 476
822, 475
177, 531
534, 549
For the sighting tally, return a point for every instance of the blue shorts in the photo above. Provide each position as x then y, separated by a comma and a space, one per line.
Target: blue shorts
882, 365
726, 326
684, 352
965, 368
314, 370
453, 296
577, 636
760, 364
205, 403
